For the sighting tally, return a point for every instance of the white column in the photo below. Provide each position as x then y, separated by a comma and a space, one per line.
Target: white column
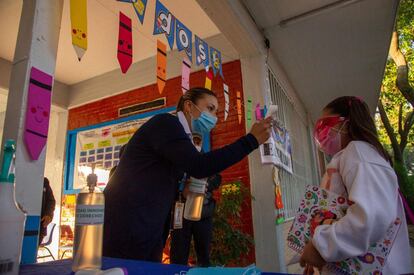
36, 46
234, 21
268, 237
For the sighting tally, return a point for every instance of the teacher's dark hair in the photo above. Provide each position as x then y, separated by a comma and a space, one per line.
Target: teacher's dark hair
194, 94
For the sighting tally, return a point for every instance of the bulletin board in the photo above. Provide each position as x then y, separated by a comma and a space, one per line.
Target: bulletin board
99, 145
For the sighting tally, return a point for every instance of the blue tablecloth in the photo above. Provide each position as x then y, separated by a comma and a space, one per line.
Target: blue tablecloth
134, 267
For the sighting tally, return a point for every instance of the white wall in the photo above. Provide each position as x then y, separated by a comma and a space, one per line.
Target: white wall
54, 165
267, 239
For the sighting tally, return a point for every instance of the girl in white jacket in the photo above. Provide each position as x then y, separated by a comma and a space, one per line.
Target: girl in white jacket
359, 170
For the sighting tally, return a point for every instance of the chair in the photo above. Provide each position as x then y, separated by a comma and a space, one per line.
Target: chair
66, 240
47, 240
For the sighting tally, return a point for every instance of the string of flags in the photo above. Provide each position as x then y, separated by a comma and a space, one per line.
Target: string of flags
216, 61
139, 7
202, 57
184, 39
164, 23
175, 31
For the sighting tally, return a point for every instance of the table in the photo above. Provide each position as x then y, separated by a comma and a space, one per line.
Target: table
63, 267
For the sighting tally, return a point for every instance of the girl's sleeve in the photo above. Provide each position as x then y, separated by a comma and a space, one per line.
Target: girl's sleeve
371, 187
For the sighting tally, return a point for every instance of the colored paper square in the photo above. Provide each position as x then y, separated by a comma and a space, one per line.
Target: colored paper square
70, 199
91, 152
116, 155
91, 159
99, 157
83, 154
82, 160
108, 149
108, 156
108, 164
100, 151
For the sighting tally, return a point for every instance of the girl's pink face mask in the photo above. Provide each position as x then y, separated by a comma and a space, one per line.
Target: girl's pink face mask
328, 140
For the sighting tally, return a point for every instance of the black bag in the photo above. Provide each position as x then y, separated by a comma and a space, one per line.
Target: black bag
208, 209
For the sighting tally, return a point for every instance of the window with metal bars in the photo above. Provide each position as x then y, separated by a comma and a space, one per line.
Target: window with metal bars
293, 185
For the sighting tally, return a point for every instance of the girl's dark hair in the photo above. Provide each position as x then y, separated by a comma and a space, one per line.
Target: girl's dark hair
194, 94
361, 126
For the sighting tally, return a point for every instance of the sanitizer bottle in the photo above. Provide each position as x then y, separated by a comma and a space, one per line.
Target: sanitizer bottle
195, 198
12, 219
89, 219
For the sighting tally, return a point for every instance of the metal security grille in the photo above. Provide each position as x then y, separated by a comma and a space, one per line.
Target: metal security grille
293, 186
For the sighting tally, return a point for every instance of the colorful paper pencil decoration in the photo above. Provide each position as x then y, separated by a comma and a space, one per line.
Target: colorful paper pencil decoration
258, 112
185, 75
264, 111
37, 112
209, 79
161, 65
278, 197
249, 112
79, 24
226, 101
124, 42
280, 217
239, 107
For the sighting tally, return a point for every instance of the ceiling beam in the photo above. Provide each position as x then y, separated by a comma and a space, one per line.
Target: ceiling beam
234, 21
60, 95
315, 12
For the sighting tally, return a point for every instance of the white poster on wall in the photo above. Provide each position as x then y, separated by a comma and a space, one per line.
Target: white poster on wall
277, 149
283, 147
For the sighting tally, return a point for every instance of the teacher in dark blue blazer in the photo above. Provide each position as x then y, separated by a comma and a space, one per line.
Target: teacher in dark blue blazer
140, 193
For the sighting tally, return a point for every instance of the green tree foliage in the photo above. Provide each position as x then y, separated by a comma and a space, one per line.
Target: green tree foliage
396, 118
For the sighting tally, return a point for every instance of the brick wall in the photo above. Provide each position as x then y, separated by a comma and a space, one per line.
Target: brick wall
224, 133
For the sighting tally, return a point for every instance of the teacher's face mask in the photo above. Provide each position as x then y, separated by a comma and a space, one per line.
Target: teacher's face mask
204, 123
